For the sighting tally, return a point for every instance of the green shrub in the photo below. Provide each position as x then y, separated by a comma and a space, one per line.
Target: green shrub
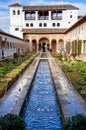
79, 46
15, 55
12, 122
10, 70
77, 122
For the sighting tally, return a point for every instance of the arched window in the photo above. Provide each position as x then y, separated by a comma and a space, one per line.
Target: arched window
14, 12
53, 24
45, 24
27, 25
31, 24
40, 24
58, 24
18, 12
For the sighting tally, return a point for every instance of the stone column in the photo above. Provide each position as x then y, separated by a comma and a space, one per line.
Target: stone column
37, 44
50, 42
36, 15
82, 48
0, 42
49, 15
57, 40
30, 44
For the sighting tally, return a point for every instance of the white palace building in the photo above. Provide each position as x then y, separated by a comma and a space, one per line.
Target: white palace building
51, 27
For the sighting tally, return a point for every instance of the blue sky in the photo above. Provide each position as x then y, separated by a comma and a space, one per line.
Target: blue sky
4, 9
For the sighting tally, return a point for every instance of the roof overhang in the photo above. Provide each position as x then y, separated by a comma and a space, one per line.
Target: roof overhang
43, 31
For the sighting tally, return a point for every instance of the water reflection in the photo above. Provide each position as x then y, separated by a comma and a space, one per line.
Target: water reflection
42, 111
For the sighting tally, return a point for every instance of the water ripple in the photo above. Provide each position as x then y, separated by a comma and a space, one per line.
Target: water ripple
41, 111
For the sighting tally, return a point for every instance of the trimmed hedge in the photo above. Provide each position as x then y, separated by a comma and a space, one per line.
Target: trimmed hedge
77, 122
79, 47
12, 122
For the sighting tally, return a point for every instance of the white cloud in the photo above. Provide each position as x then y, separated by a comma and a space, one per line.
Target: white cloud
82, 8
4, 21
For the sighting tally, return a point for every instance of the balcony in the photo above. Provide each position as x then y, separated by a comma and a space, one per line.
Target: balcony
43, 18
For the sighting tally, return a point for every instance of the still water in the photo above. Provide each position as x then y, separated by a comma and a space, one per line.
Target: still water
41, 111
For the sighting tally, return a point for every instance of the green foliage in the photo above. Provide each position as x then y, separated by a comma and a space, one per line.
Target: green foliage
15, 55
7, 66
10, 70
12, 122
72, 47
79, 46
76, 71
57, 55
77, 122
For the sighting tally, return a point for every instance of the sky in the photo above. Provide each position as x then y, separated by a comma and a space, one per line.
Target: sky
4, 9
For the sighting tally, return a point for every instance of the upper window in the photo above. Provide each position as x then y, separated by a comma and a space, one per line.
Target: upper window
43, 15
27, 25
59, 15
31, 24
18, 12
16, 29
30, 15
53, 24
71, 16
58, 24
45, 24
14, 12
40, 24
56, 15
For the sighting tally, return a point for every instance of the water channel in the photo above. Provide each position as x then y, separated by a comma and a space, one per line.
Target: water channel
41, 111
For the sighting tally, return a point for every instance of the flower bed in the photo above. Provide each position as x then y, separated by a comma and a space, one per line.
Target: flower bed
76, 71
8, 77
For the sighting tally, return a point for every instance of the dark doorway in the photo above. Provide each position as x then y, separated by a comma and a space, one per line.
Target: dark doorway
44, 46
39, 47
48, 47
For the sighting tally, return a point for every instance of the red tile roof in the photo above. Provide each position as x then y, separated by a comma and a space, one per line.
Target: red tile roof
16, 4
50, 7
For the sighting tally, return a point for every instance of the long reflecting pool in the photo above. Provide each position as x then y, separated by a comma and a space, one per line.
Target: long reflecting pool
41, 111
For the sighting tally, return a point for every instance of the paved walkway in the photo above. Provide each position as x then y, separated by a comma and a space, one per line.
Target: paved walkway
82, 57
70, 101
13, 100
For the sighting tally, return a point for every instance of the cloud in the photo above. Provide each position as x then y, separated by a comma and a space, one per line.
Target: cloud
4, 21
82, 8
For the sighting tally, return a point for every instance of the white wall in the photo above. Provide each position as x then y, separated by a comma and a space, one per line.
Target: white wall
64, 23
18, 21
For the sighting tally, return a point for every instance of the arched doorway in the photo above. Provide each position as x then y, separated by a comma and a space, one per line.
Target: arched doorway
53, 45
43, 44
60, 46
34, 45
27, 40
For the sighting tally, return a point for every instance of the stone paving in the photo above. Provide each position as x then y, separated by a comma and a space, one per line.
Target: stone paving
13, 100
82, 57
71, 102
